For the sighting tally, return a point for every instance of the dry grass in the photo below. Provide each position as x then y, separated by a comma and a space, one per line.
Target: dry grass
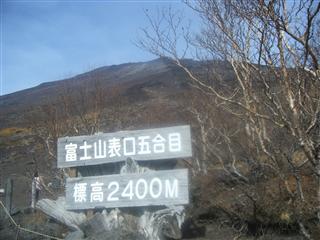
36, 218
8, 132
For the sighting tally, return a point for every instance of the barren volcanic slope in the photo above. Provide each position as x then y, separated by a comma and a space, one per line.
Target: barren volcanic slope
139, 96
125, 76
129, 96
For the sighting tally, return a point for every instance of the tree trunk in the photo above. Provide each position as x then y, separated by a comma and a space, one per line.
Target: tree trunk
203, 166
318, 180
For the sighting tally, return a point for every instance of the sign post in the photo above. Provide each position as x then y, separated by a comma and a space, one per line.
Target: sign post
8, 194
151, 188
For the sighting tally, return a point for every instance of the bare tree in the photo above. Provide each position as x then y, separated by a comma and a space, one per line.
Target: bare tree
84, 104
77, 111
273, 49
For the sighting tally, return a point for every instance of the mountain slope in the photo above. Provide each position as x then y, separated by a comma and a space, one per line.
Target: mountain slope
125, 76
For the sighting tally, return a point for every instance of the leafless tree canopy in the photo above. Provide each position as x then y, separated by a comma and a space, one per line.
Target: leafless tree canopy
273, 48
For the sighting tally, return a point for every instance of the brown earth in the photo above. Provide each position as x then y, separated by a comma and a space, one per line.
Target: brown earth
139, 96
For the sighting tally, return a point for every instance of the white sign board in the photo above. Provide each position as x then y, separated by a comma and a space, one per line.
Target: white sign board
149, 144
127, 190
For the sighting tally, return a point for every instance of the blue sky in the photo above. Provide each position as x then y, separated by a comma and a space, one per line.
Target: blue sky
44, 41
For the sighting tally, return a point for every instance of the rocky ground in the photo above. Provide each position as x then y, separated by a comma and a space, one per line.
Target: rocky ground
39, 222
220, 208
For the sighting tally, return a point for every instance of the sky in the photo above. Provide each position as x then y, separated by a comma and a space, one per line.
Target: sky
44, 40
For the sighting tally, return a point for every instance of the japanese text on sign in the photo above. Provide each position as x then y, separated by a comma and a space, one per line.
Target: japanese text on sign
148, 144
151, 188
